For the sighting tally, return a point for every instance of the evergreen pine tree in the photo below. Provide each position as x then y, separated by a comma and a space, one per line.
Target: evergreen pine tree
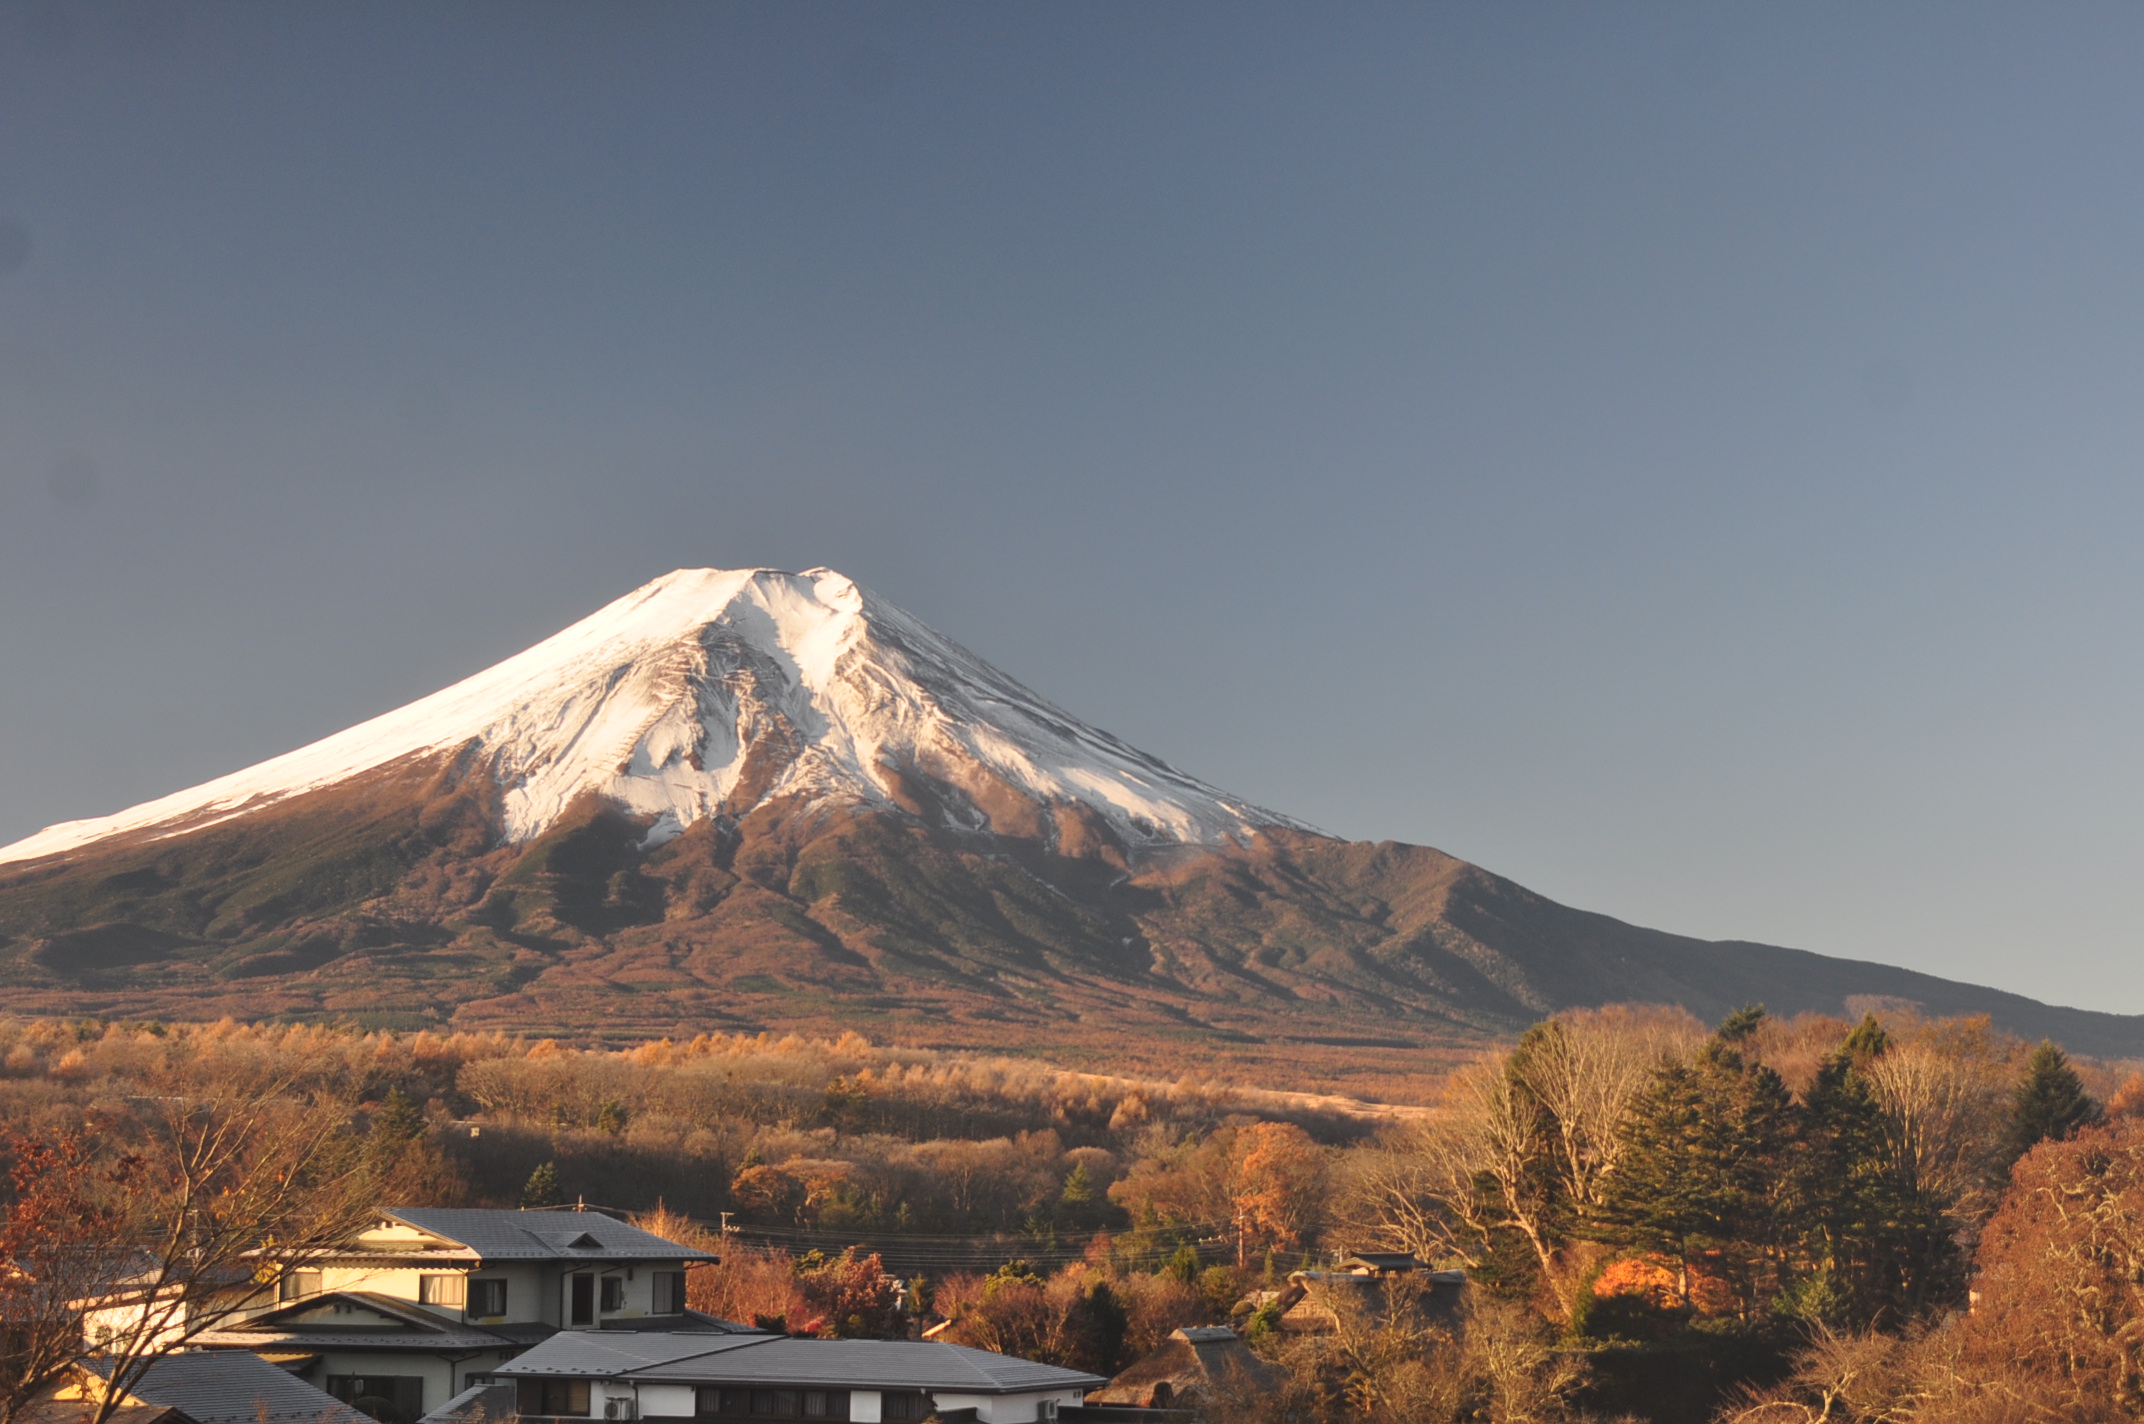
2050, 1102
1873, 1249
542, 1187
1703, 1160
1866, 1043
398, 1123
1079, 1196
1738, 1026
399, 1117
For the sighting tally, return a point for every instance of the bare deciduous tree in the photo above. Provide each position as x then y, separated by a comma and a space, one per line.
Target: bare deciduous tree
1944, 1114
1413, 1191
1556, 1106
1584, 1068
236, 1174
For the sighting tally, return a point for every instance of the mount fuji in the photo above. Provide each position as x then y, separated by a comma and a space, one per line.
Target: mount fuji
760, 800
709, 693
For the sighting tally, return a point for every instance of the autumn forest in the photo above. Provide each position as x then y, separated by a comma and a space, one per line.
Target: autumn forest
1761, 1220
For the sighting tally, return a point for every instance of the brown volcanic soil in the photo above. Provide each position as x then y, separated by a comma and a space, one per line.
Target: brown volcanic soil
1296, 961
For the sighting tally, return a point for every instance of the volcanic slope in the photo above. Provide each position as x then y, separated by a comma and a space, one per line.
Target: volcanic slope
761, 800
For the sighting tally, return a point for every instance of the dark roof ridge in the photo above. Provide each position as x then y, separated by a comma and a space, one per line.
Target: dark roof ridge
497, 1233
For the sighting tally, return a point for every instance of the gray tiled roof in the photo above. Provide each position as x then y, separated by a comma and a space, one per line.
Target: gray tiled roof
605, 1354
855, 1364
237, 1387
544, 1235
478, 1404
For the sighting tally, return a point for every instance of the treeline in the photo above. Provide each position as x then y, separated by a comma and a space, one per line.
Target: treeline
789, 1136
1811, 1168
1907, 1220
1913, 1219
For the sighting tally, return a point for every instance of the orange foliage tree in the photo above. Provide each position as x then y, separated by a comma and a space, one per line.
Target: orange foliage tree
2061, 1284
1276, 1187
62, 1243
1267, 1182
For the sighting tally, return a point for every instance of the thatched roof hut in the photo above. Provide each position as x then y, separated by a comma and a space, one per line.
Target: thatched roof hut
1184, 1369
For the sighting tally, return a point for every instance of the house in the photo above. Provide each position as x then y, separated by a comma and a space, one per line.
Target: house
648, 1375
428, 1301
1194, 1365
1309, 1303
133, 1293
223, 1387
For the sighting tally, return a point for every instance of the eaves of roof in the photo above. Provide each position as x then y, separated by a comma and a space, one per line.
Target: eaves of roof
425, 1332
454, 1344
855, 1364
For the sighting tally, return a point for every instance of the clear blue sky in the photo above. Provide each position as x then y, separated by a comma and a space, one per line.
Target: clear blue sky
1686, 459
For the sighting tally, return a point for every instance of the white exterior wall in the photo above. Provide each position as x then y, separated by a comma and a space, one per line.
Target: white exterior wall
638, 1281
392, 1279
527, 1298
102, 1324
864, 1406
667, 1401
434, 1368
534, 1292
1004, 1408
640, 1291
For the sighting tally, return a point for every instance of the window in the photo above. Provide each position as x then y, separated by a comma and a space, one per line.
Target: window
391, 1399
440, 1290
614, 1293
582, 1309
669, 1289
487, 1297
904, 1407
296, 1285
554, 1396
710, 1402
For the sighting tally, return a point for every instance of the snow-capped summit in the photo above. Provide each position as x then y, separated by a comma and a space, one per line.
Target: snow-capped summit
710, 691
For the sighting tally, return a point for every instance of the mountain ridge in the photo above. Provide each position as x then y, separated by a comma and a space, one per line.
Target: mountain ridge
881, 833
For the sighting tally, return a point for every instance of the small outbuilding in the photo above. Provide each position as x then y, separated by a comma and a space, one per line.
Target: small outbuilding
1308, 1303
1192, 1366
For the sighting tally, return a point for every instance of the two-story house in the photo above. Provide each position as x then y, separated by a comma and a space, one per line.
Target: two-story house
430, 1300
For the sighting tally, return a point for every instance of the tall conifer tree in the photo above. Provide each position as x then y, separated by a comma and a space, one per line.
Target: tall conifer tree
1699, 1183
2050, 1102
1873, 1249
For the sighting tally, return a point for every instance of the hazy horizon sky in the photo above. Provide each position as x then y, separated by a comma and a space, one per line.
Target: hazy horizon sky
1682, 458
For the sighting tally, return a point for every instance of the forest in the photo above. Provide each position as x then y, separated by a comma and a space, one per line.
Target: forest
1762, 1221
